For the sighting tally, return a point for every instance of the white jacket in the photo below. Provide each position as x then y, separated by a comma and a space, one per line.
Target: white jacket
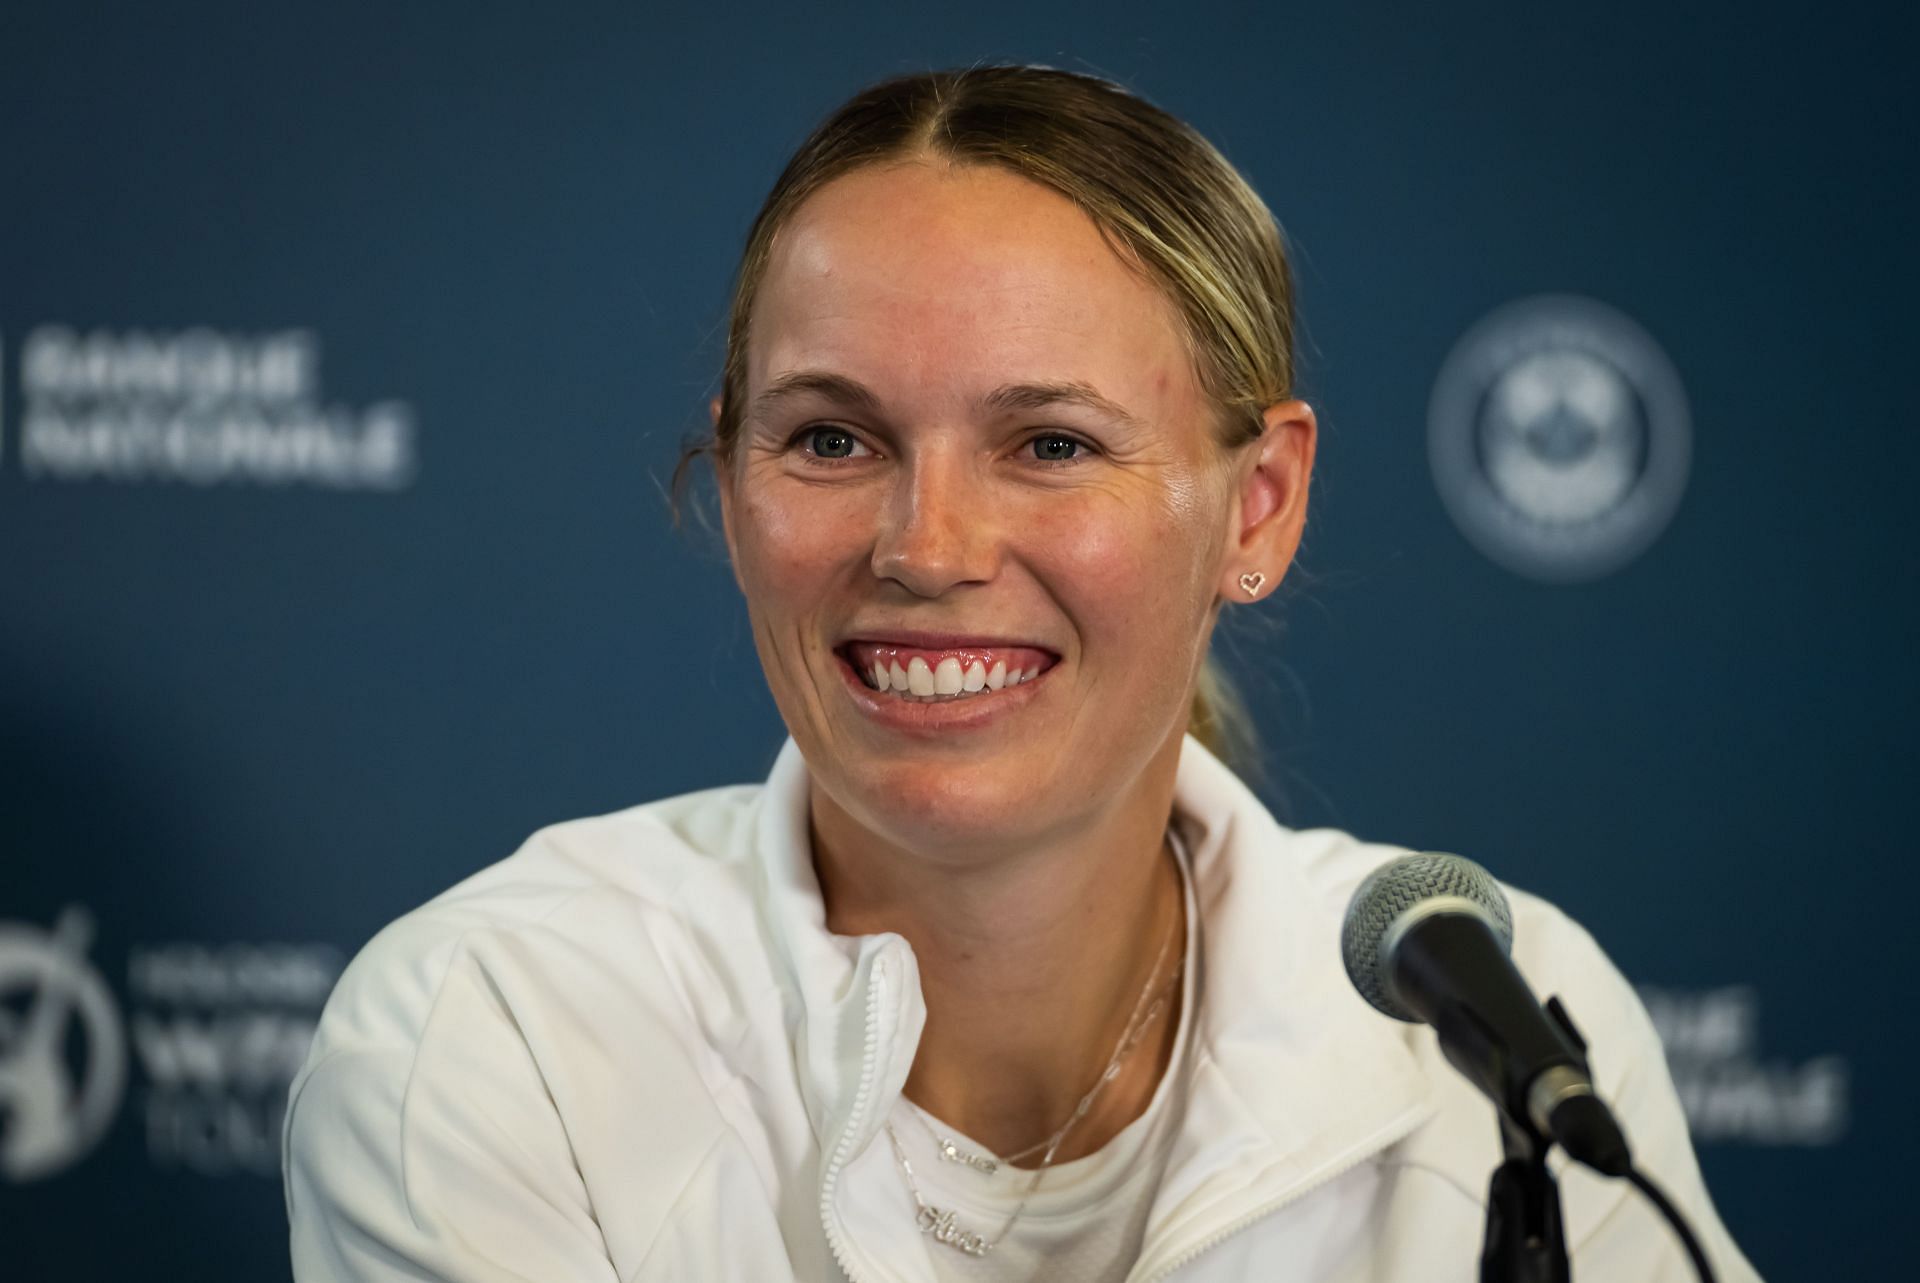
633, 1051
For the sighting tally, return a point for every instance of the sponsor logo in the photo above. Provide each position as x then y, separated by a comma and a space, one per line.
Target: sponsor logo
1559, 437
63, 1055
219, 1032
200, 407
216, 1033
1731, 1091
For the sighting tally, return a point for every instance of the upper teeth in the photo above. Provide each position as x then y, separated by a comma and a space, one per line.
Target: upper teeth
947, 678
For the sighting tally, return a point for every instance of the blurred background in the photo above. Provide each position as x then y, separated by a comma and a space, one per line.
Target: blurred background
345, 351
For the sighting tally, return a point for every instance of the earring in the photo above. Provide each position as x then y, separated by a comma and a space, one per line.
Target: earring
1251, 581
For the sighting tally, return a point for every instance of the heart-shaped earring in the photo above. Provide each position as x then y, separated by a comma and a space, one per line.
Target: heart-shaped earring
1251, 581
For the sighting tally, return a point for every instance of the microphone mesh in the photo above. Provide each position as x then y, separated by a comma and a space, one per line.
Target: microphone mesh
1396, 887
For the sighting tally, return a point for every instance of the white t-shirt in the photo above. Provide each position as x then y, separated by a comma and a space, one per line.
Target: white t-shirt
1087, 1219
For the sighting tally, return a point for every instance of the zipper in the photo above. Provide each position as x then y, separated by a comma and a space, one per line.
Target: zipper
1400, 1129
861, 1099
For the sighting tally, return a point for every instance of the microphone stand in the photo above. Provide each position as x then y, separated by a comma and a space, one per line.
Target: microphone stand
1526, 1241
1526, 1238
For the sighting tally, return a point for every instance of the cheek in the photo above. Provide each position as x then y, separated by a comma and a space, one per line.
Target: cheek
1135, 567
1097, 554
787, 544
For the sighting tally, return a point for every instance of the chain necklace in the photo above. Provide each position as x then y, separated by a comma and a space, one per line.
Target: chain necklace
1137, 1023
940, 1224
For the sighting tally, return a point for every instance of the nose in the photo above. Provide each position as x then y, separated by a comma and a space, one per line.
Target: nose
937, 529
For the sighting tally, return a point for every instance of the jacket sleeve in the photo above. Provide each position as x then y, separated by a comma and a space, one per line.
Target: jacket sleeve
439, 1157
1613, 1231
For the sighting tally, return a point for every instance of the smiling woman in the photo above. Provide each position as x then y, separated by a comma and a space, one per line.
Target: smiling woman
1002, 973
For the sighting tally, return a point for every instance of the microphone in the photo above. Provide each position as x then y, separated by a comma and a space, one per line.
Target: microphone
1426, 940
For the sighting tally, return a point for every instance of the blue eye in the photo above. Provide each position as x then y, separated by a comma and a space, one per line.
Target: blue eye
830, 442
1054, 448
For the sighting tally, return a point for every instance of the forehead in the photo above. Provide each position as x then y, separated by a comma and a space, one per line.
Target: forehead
929, 282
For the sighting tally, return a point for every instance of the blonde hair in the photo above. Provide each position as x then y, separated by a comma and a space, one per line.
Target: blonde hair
1162, 195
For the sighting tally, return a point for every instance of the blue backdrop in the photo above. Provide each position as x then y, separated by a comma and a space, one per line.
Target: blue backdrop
344, 350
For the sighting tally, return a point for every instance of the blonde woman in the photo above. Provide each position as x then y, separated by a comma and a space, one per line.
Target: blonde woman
1002, 973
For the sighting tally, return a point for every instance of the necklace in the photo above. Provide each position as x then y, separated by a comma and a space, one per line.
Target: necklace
940, 1224
950, 1150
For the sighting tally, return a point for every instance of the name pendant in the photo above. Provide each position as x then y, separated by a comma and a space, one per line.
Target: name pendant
941, 1225
952, 1153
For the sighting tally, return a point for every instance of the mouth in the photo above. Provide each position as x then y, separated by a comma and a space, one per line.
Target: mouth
943, 673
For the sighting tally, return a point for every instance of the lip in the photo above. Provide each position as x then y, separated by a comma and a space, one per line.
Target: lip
941, 717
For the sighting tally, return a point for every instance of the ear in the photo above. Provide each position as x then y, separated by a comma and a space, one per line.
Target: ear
1271, 507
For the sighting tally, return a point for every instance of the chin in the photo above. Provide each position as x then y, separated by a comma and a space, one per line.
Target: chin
927, 808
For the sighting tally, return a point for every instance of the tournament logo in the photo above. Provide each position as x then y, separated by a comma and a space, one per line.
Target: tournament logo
1559, 437
63, 1055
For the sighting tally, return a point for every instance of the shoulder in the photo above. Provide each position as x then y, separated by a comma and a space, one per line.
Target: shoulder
1609, 1229
1556, 955
470, 1090
596, 946
607, 889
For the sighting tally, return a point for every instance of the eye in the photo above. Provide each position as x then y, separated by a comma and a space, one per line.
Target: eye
828, 442
1055, 448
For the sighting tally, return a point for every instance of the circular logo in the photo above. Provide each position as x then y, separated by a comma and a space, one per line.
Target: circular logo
63, 1056
1559, 437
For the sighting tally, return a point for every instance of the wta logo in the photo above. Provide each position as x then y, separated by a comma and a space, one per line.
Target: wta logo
63, 1052
207, 1035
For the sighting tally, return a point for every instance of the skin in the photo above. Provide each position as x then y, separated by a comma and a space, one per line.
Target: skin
1024, 860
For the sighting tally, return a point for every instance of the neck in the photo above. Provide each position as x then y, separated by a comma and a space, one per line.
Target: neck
1032, 959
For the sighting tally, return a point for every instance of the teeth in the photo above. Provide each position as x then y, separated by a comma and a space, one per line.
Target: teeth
946, 679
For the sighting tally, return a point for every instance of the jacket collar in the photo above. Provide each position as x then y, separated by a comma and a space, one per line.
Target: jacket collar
1294, 1077
832, 975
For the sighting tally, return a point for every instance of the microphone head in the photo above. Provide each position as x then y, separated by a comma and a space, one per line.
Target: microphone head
1414, 884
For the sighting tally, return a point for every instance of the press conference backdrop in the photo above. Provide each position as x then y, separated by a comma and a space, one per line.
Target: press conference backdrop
344, 351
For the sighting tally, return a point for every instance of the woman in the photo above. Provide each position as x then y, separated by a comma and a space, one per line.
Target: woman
1002, 974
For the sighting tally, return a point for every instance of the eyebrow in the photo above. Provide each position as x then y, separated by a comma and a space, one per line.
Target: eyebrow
1008, 397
